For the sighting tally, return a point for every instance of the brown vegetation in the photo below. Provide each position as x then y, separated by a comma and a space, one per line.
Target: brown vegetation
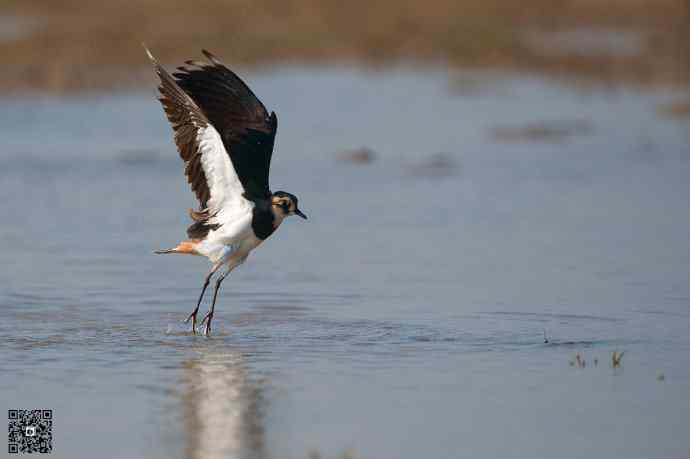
76, 44
678, 109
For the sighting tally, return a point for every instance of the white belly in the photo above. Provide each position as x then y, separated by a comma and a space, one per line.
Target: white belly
234, 253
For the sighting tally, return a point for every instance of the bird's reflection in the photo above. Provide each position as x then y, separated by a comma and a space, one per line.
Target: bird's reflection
223, 408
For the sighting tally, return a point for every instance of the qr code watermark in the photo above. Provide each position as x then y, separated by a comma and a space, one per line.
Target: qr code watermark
30, 431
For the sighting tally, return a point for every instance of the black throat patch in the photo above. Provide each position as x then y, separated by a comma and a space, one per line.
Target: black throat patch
262, 219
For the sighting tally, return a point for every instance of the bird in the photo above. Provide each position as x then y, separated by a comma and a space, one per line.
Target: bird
225, 136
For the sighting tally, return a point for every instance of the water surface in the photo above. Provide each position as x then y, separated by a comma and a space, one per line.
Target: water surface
405, 319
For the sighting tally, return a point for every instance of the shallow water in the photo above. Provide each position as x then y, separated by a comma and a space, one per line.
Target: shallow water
405, 319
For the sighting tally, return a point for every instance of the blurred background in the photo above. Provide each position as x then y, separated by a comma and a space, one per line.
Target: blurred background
70, 44
498, 201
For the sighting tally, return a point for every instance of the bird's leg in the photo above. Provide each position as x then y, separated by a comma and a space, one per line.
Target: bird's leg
209, 315
201, 296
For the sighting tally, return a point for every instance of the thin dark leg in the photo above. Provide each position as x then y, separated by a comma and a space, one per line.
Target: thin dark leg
201, 297
209, 316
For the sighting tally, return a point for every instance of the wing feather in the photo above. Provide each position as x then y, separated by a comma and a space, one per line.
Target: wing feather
245, 126
208, 167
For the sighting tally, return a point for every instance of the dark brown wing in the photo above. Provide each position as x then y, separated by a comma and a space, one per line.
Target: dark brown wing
186, 119
245, 127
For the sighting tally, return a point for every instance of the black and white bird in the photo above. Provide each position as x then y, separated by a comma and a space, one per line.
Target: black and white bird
225, 137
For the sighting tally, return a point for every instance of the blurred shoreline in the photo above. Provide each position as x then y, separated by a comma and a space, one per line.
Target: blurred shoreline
68, 45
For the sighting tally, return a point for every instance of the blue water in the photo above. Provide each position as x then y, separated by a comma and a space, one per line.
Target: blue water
405, 319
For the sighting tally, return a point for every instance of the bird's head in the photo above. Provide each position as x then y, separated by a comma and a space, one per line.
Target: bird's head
285, 204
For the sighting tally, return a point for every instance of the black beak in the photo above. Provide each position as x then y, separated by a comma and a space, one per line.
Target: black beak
299, 213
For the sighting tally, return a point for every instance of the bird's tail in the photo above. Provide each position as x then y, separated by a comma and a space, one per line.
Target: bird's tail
160, 251
185, 247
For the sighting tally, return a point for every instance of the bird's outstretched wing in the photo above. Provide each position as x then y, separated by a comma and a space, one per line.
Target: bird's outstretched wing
208, 167
245, 126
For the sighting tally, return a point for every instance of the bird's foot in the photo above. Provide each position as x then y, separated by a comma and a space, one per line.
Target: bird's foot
192, 316
207, 320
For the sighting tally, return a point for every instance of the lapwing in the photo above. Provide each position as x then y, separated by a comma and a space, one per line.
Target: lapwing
225, 137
